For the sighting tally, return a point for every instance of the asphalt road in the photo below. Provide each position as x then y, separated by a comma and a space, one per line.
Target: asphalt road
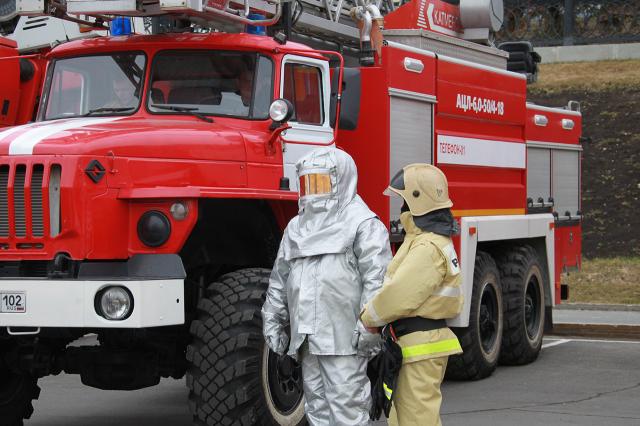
574, 382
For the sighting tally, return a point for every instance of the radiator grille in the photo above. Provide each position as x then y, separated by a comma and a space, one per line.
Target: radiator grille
37, 219
23, 198
18, 201
4, 205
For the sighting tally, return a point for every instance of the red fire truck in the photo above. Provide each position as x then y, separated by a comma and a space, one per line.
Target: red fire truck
145, 204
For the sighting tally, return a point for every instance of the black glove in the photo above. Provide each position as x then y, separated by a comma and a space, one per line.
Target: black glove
389, 362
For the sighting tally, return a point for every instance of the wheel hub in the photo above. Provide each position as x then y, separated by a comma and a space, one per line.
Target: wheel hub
285, 367
532, 308
488, 318
285, 382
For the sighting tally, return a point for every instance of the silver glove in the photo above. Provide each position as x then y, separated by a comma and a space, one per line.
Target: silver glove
366, 344
274, 333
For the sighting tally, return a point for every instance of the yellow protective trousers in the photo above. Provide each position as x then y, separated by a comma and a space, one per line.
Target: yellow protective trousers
417, 397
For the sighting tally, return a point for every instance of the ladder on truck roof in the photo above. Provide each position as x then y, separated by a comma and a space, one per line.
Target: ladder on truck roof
331, 18
322, 20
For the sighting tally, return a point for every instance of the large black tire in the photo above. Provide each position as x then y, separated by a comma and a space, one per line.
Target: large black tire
523, 286
233, 378
17, 390
481, 340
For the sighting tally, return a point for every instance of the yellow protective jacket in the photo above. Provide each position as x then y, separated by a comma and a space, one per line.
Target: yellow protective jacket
422, 280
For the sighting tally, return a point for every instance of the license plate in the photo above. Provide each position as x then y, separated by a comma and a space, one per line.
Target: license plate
13, 303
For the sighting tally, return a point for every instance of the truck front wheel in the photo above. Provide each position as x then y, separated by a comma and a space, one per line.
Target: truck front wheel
481, 340
17, 390
233, 378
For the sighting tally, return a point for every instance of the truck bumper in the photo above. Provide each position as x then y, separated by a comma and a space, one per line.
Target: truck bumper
59, 303
155, 282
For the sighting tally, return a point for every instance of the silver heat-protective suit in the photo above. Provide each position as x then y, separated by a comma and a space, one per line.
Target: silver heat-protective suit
331, 261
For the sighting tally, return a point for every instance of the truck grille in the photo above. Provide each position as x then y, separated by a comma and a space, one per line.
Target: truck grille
4, 204
18, 201
37, 215
24, 196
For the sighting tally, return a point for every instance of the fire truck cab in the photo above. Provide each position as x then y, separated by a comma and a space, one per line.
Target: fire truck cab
146, 203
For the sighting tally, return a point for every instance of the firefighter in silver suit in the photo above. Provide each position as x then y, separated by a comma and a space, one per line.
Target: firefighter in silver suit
331, 261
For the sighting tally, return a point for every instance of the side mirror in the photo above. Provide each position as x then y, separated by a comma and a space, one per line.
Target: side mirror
280, 111
350, 103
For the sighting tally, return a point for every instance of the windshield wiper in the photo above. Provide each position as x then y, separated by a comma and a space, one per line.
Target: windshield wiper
189, 110
107, 109
89, 113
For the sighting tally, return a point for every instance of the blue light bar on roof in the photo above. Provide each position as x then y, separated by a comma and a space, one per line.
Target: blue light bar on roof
120, 26
254, 29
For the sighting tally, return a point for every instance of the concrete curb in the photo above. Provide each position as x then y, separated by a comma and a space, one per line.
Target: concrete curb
609, 331
597, 307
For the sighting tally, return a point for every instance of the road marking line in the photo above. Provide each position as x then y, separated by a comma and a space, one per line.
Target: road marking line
555, 343
605, 341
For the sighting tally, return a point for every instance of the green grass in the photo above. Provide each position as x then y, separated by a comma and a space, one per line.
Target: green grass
601, 75
614, 280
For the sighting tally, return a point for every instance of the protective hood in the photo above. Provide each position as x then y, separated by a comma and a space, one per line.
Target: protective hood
439, 222
326, 223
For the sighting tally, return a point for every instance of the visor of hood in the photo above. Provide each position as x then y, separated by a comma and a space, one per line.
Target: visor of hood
315, 184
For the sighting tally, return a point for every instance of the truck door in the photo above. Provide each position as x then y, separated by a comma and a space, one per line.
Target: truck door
305, 83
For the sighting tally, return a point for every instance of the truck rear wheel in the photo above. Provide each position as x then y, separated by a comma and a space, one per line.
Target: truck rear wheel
16, 393
233, 378
481, 340
523, 284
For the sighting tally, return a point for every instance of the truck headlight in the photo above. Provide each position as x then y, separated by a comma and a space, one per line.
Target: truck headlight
114, 303
154, 228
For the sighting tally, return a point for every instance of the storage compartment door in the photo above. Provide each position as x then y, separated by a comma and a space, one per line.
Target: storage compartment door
411, 139
566, 181
538, 173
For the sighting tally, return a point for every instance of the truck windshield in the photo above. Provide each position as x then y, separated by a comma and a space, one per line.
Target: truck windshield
223, 83
95, 85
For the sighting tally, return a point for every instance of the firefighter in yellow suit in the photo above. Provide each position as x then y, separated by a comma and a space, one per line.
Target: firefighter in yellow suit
421, 290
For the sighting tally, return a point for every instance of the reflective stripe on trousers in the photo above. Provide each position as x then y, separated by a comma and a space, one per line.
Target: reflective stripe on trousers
443, 346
